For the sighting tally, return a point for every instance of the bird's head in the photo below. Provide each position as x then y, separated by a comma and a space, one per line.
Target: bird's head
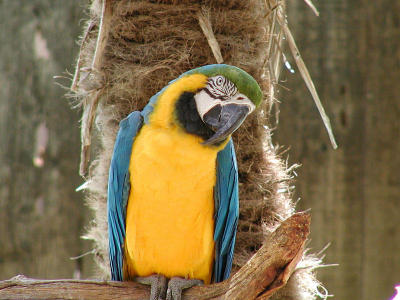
228, 97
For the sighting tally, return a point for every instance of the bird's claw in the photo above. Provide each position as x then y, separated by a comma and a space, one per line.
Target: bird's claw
177, 284
158, 285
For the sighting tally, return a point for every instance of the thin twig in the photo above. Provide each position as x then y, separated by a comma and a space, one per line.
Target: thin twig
311, 5
205, 24
74, 86
306, 77
88, 116
103, 34
90, 106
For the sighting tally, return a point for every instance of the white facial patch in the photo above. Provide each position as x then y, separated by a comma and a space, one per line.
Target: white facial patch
243, 100
204, 102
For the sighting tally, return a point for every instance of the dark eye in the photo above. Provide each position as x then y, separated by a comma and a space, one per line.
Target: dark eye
219, 81
240, 98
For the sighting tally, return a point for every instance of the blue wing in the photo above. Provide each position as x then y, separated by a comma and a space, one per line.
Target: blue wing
118, 190
226, 196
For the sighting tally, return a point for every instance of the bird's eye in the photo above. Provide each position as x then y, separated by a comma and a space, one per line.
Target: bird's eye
240, 98
219, 81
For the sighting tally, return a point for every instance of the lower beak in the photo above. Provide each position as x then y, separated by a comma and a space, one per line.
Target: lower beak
224, 120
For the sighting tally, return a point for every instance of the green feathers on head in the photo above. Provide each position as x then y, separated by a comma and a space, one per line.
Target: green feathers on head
245, 83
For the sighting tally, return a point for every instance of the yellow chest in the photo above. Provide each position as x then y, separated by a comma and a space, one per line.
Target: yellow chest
170, 212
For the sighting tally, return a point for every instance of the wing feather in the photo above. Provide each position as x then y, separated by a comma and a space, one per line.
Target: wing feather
226, 196
118, 190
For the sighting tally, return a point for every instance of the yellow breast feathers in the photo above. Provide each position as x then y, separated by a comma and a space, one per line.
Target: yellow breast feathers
169, 221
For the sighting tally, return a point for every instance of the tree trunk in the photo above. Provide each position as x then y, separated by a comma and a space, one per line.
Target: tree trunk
352, 51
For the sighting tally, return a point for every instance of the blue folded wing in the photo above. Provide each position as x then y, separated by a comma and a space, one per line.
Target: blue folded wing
118, 190
226, 195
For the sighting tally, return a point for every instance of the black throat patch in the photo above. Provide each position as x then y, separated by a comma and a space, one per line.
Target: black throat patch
188, 117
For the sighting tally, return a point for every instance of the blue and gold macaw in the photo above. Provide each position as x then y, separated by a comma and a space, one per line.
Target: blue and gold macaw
173, 201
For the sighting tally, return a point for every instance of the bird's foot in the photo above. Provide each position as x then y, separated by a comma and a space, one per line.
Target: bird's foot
177, 284
158, 285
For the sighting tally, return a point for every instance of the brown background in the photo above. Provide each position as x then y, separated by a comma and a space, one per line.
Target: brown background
353, 53
41, 216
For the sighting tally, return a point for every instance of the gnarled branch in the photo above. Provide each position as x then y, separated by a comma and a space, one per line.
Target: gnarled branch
266, 272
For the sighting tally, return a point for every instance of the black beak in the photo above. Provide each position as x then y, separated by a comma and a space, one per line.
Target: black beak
224, 120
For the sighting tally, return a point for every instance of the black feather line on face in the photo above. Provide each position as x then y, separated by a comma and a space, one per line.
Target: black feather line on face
188, 117
222, 98
220, 88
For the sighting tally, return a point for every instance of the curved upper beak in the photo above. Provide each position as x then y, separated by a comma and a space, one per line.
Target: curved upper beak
224, 120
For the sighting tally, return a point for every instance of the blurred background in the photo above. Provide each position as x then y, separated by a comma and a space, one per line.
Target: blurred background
353, 53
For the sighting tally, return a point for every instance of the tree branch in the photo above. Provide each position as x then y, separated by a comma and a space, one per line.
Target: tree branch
266, 272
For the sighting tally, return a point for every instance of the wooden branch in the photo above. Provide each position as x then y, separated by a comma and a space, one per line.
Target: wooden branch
266, 272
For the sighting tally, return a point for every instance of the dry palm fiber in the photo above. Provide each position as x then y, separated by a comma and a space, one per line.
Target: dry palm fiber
131, 49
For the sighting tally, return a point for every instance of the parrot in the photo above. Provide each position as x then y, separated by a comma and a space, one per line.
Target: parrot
173, 198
